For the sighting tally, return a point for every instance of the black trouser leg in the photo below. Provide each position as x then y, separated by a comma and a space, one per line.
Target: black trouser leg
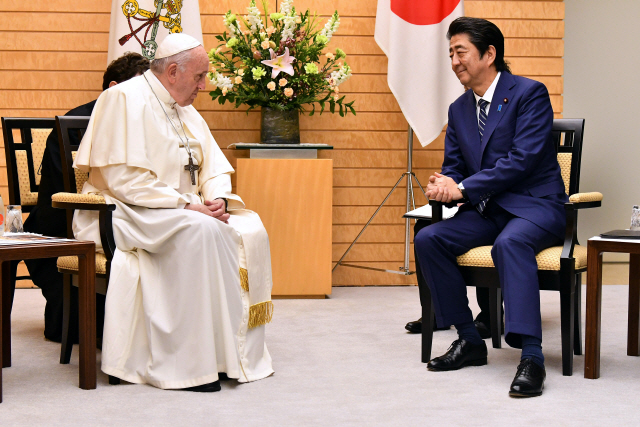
482, 295
44, 274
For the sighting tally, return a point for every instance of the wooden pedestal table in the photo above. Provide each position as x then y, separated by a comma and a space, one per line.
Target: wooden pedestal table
293, 197
595, 247
85, 251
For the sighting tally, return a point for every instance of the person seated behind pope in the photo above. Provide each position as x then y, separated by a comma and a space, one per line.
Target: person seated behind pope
190, 285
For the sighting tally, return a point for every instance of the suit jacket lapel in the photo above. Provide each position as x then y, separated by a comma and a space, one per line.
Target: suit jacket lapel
471, 127
503, 88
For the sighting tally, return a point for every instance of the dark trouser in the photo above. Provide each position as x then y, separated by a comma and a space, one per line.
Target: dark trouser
44, 274
515, 243
482, 294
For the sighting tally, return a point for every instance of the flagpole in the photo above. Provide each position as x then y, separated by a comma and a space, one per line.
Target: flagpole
410, 204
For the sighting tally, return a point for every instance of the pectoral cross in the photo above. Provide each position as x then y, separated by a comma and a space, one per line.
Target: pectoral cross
192, 169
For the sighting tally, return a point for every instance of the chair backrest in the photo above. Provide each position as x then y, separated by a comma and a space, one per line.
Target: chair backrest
25, 140
70, 130
567, 135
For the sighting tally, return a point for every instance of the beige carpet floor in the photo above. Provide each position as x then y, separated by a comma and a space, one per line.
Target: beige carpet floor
344, 361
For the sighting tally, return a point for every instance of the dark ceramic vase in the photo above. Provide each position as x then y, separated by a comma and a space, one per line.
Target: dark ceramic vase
279, 127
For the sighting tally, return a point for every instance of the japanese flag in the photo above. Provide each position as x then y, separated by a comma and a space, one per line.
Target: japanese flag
413, 36
140, 25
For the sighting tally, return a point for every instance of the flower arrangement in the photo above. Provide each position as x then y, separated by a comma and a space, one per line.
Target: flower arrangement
277, 61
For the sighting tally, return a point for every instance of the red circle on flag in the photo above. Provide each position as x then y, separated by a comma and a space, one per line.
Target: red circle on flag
425, 12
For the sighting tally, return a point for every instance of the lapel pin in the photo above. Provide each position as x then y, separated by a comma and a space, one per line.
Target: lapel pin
505, 100
499, 107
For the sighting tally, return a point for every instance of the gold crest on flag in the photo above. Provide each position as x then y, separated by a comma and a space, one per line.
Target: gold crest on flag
144, 24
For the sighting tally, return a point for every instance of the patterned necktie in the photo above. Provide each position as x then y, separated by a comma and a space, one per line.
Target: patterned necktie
482, 121
482, 117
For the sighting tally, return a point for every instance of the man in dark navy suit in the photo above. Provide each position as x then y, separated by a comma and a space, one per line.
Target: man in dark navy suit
44, 219
501, 162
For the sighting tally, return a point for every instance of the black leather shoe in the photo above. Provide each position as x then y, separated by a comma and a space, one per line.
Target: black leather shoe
529, 380
482, 329
205, 388
415, 327
461, 353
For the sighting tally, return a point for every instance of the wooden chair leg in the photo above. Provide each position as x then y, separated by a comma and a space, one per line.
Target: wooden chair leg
577, 321
67, 344
427, 326
567, 316
114, 380
495, 308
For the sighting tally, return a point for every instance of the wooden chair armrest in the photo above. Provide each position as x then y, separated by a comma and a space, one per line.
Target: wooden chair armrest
92, 202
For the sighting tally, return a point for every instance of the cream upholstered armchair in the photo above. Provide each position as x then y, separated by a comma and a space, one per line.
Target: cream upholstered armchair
70, 130
24, 158
559, 267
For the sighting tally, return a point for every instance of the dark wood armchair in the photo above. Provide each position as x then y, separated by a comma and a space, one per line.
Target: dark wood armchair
25, 140
70, 130
559, 268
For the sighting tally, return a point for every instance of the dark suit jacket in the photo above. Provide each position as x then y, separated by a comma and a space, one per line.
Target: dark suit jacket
516, 163
44, 219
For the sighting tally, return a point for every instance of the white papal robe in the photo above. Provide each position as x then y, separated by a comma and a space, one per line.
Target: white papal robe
176, 312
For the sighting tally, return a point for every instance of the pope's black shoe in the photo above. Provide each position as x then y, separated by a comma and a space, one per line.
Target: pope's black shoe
205, 388
529, 380
461, 353
415, 327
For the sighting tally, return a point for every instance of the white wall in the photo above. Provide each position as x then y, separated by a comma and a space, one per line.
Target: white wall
602, 85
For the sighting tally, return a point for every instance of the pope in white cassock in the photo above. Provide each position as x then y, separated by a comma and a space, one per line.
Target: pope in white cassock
190, 285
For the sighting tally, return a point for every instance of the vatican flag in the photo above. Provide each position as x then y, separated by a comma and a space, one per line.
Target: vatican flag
413, 34
140, 25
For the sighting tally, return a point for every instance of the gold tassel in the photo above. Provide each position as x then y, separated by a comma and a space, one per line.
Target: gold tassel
244, 279
260, 314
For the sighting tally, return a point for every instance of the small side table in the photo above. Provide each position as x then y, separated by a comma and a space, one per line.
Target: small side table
85, 251
292, 191
595, 247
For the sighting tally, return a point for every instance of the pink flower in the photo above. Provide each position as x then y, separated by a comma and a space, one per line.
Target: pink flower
288, 92
280, 63
271, 86
282, 82
265, 44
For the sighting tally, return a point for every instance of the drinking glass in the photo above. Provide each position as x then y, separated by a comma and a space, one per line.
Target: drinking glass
13, 219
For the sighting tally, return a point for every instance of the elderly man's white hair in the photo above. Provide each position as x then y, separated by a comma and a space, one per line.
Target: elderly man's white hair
159, 66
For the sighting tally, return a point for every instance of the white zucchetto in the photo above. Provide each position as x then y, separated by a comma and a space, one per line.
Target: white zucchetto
175, 43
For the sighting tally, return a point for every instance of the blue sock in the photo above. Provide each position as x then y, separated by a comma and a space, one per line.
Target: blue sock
468, 332
532, 349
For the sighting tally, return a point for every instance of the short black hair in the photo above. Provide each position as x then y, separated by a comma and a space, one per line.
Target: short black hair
482, 34
123, 68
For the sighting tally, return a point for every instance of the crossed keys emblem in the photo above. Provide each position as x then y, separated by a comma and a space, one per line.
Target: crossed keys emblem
150, 21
